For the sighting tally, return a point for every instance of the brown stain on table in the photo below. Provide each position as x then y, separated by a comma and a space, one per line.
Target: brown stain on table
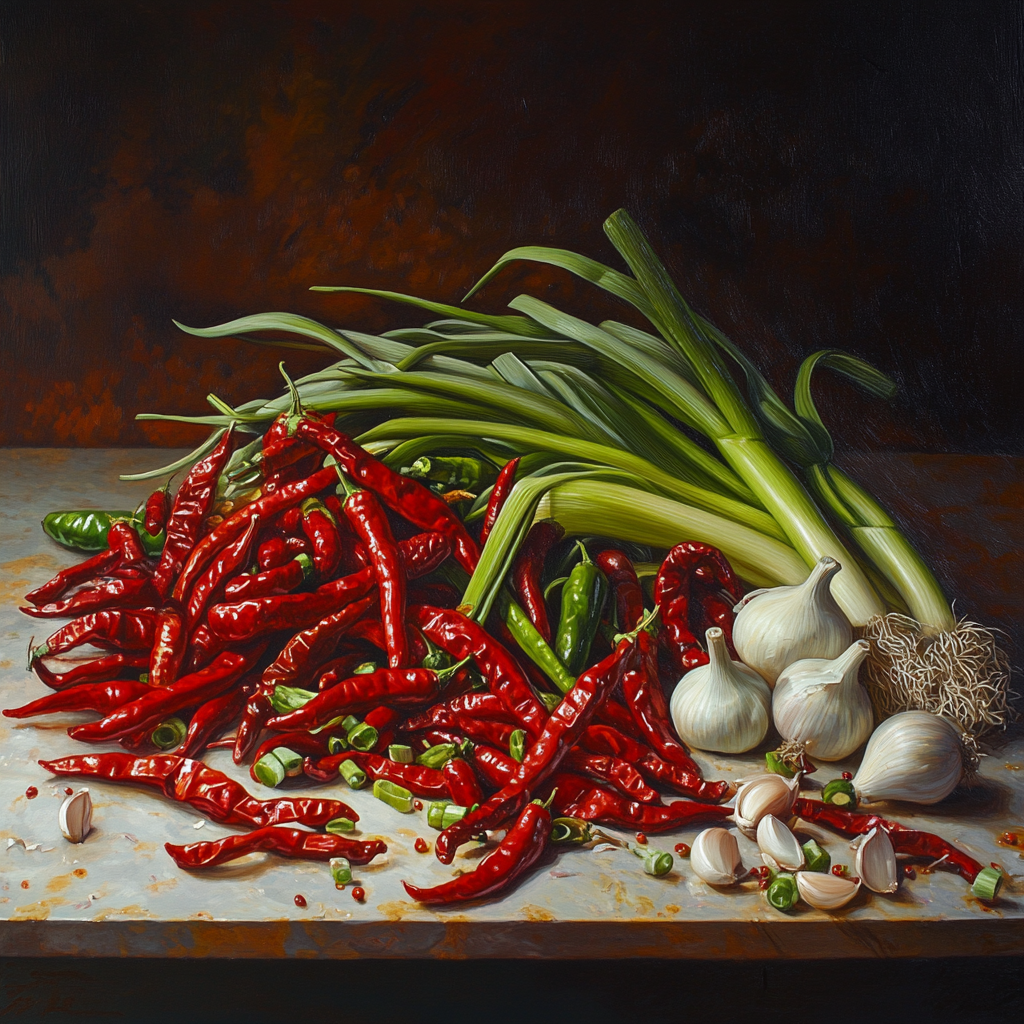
535, 914
396, 910
163, 885
133, 910
59, 883
38, 911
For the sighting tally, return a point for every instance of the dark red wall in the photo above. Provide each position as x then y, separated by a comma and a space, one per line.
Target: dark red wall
819, 173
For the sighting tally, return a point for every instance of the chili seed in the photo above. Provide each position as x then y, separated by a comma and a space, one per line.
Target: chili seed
68, 791
847, 776
79, 872
641, 838
839, 869
418, 805
24, 884
1009, 837
359, 894
300, 901
421, 846
763, 884
682, 849
31, 792
909, 872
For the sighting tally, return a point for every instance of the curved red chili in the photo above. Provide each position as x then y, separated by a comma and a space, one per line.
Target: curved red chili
120, 629
417, 778
100, 697
96, 670
169, 647
625, 585
99, 594
230, 559
280, 580
527, 569
210, 717
496, 767
499, 495
73, 576
322, 533
462, 782
615, 772
158, 504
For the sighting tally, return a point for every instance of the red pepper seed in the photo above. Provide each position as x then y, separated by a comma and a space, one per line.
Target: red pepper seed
24, 884
31, 792
909, 872
359, 894
763, 884
641, 838
421, 846
418, 805
682, 849
839, 869
300, 901
847, 776
68, 791
1009, 837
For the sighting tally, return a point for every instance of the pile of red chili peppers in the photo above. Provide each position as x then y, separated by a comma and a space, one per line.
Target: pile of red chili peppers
311, 625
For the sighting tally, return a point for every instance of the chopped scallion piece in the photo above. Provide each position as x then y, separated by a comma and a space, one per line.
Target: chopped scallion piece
341, 870
363, 737
291, 761
517, 744
815, 858
352, 774
290, 698
435, 812
400, 752
438, 755
783, 894
987, 884
336, 744
841, 793
269, 770
339, 825
392, 794
167, 735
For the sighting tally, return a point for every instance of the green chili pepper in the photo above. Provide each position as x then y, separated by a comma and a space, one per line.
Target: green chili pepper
455, 471
775, 764
782, 894
815, 858
87, 529
841, 793
583, 599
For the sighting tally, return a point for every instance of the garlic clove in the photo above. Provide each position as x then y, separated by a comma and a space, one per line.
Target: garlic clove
764, 794
779, 848
715, 857
875, 861
75, 816
825, 891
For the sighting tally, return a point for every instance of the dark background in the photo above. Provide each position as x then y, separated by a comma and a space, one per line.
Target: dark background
815, 173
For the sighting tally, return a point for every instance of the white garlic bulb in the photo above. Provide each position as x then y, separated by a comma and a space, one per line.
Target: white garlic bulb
819, 702
914, 756
776, 627
715, 857
780, 849
825, 891
875, 861
75, 816
761, 795
722, 706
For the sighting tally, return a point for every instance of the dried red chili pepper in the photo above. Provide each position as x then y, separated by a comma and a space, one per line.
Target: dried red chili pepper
211, 792
307, 744
404, 495
370, 523
613, 714
280, 580
245, 620
417, 778
101, 697
499, 495
192, 504
73, 576
209, 718
625, 586
169, 646
615, 772
395, 687
496, 767
105, 592
203, 647
272, 553
516, 854
158, 504
385, 720
322, 533
462, 782
114, 628
461, 638
527, 569
255, 714
158, 703
685, 782
123, 538
229, 560
96, 670
286, 842
482, 705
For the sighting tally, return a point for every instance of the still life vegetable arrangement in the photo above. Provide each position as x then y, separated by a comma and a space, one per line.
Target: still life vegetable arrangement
504, 565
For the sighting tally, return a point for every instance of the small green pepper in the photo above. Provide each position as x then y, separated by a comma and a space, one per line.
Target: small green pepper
783, 894
455, 471
841, 793
87, 529
583, 598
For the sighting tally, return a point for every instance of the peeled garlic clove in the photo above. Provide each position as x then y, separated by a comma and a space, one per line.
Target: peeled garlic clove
786, 624
779, 848
75, 816
825, 892
875, 861
715, 857
914, 756
764, 794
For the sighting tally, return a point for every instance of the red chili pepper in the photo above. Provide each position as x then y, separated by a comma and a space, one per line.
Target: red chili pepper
211, 792
191, 506
395, 687
404, 495
230, 559
106, 592
496, 767
257, 711
273, 553
461, 638
113, 628
385, 720
560, 734
280, 580
209, 718
158, 703
158, 504
96, 670
322, 532
470, 706
245, 620
203, 647
123, 538
462, 782
286, 842
499, 495
370, 523
527, 569
101, 697
307, 744
479, 730
625, 586
169, 647
73, 576
417, 778
683, 781
517, 853
614, 771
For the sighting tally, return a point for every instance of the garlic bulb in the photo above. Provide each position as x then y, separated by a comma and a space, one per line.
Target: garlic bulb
715, 857
912, 756
819, 703
825, 892
761, 795
722, 706
75, 816
776, 627
875, 861
780, 849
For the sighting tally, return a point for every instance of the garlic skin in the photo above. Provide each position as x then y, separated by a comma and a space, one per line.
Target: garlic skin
825, 892
774, 628
875, 861
761, 795
715, 857
722, 706
820, 703
780, 849
75, 816
913, 756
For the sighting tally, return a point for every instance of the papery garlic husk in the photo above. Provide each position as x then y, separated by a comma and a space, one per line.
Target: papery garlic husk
764, 794
780, 849
777, 627
722, 706
875, 861
913, 756
75, 816
715, 857
819, 703
825, 891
